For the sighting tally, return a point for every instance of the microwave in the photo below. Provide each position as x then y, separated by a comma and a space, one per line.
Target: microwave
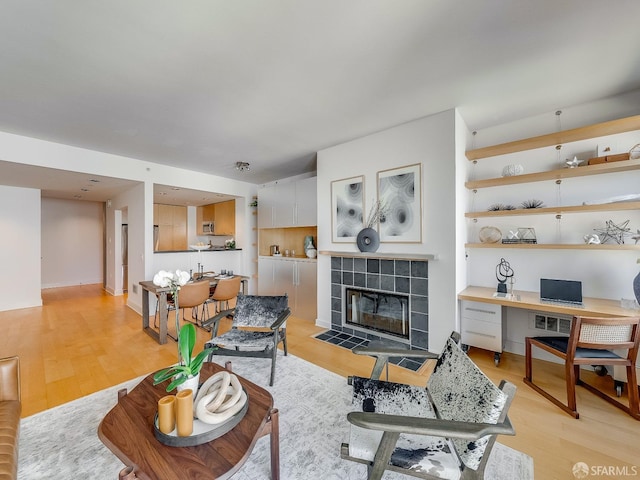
207, 228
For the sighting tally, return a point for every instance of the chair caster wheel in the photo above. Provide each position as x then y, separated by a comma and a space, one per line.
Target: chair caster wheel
618, 386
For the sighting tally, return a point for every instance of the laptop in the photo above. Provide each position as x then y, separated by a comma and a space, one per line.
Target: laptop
561, 292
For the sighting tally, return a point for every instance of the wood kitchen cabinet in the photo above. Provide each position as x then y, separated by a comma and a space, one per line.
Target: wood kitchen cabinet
222, 214
172, 226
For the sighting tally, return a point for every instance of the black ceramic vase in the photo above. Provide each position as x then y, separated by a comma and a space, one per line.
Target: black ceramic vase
368, 240
636, 287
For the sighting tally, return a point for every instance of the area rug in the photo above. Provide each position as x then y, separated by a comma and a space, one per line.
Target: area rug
313, 403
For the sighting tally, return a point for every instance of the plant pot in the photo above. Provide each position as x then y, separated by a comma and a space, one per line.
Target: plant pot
191, 383
368, 240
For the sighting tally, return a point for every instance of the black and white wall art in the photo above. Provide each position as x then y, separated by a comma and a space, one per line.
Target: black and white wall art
347, 205
400, 194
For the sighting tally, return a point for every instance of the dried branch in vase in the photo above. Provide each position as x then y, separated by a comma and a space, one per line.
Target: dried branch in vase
377, 213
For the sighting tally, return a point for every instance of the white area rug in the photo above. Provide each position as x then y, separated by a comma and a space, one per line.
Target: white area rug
63, 443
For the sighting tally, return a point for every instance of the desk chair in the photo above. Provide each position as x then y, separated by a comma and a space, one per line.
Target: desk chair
591, 342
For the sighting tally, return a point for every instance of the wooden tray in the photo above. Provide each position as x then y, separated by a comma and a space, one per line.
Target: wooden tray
202, 432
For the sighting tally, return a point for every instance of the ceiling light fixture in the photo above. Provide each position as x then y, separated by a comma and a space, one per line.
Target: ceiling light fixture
243, 166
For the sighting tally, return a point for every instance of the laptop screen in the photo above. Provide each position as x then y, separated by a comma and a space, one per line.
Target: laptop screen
569, 291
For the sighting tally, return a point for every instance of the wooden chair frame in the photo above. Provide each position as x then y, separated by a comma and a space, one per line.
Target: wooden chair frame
576, 355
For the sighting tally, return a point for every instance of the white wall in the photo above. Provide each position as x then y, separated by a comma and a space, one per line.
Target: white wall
19, 248
138, 202
72, 242
430, 141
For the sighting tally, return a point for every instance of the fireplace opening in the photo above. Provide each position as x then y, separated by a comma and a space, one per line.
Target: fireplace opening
383, 312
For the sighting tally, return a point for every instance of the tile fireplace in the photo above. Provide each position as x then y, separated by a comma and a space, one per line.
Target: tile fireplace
391, 300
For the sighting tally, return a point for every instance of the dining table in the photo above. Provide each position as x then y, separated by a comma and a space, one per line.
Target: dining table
148, 287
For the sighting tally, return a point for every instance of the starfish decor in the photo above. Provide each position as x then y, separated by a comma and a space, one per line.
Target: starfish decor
614, 232
636, 237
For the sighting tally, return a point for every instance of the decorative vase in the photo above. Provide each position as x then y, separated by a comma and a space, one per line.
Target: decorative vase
636, 287
312, 253
191, 383
368, 240
184, 413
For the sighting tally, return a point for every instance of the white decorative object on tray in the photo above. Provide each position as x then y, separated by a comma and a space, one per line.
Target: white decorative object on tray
511, 170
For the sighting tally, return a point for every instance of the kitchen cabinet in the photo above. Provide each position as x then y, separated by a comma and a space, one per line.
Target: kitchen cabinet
291, 204
556, 177
172, 226
295, 277
222, 214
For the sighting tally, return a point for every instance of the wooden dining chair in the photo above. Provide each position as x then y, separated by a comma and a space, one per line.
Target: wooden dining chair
226, 289
592, 341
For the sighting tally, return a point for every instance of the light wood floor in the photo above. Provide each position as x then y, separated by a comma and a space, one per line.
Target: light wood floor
83, 340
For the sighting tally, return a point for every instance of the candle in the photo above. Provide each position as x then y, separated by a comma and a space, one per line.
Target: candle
184, 412
167, 414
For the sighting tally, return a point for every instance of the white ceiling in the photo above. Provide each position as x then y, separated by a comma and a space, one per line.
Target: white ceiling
203, 84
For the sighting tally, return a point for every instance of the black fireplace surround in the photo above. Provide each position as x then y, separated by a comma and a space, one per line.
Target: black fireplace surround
406, 277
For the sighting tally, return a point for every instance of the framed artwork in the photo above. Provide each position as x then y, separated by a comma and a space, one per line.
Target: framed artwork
400, 194
347, 204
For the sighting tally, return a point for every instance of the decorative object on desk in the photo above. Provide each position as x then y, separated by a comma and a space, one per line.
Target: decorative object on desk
400, 192
219, 398
511, 170
184, 413
592, 239
188, 367
572, 163
613, 232
230, 244
347, 208
503, 273
533, 203
490, 235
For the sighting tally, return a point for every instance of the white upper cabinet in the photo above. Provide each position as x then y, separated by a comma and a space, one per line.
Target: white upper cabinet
290, 204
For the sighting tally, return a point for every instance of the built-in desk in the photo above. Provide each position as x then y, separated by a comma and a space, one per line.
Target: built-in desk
594, 307
481, 321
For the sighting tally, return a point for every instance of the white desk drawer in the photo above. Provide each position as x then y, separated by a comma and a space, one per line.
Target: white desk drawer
487, 312
482, 334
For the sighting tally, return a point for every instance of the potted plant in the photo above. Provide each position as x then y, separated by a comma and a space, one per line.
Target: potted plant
188, 367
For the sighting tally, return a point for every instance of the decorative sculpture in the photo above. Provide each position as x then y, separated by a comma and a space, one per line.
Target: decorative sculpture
503, 272
613, 232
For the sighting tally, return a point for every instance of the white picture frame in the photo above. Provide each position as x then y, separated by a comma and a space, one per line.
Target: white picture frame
400, 195
347, 209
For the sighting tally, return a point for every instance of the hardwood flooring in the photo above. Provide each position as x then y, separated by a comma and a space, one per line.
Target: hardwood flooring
83, 340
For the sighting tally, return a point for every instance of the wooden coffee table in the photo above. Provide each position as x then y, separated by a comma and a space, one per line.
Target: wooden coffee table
127, 430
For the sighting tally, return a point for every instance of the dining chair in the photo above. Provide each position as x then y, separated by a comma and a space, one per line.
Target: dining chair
226, 289
591, 341
192, 295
